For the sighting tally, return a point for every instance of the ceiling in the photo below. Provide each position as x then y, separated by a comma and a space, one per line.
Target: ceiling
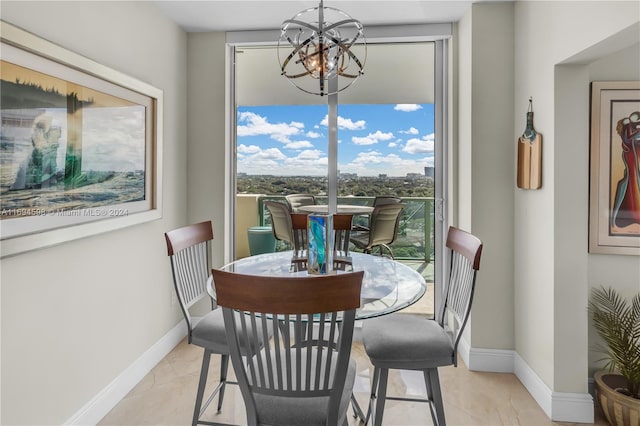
238, 15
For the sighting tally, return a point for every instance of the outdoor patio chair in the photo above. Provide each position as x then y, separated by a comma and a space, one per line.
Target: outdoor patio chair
382, 231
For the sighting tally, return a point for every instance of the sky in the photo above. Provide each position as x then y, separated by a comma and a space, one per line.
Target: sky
393, 139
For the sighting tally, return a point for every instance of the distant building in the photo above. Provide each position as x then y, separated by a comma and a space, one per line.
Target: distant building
382, 176
429, 171
348, 175
242, 174
414, 176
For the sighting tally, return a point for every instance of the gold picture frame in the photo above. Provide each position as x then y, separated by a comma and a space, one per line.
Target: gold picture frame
614, 197
81, 145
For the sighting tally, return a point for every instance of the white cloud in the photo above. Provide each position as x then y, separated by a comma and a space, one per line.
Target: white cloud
392, 144
420, 146
411, 131
309, 162
372, 138
346, 123
299, 145
310, 154
372, 163
272, 154
407, 107
257, 125
313, 135
248, 149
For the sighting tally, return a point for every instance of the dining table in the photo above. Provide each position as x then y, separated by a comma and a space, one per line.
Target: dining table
387, 286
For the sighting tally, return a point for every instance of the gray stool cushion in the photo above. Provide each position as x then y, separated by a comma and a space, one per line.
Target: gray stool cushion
408, 342
310, 411
209, 333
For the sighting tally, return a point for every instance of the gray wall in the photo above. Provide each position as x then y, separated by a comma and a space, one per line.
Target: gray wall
76, 315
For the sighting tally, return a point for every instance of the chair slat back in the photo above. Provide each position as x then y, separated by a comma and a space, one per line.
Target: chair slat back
342, 232
384, 223
190, 253
300, 235
312, 319
466, 250
190, 266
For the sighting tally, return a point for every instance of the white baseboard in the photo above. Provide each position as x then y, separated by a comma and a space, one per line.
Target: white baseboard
493, 360
558, 406
100, 405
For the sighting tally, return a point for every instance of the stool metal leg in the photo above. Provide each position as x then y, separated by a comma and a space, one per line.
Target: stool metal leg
206, 357
374, 391
224, 367
435, 396
381, 395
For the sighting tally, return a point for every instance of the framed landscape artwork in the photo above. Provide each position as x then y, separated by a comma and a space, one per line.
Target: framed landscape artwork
80, 145
614, 211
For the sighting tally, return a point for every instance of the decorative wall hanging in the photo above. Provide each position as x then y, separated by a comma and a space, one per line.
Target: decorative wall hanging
81, 145
614, 198
530, 155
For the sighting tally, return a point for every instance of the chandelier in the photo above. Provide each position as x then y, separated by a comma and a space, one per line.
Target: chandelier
325, 44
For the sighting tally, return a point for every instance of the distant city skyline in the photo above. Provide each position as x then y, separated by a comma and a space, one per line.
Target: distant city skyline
391, 139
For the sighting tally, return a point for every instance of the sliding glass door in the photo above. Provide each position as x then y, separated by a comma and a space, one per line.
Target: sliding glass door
390, 134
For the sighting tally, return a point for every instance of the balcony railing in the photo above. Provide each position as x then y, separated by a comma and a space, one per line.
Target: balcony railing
415, 232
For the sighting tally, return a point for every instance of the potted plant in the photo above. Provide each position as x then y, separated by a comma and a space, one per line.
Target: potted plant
617, 322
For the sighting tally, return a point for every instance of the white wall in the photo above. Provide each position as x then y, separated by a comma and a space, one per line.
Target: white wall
552, 266
206, 134
485, 172
76, 315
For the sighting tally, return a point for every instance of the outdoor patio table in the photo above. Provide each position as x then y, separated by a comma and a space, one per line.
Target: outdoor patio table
341, 209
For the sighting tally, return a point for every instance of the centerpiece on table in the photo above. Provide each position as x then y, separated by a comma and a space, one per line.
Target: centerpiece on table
320, 236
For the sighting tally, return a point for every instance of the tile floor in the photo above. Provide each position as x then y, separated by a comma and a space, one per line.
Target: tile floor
166, 396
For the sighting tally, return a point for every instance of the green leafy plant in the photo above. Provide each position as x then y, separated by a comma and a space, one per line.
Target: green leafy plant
617, 322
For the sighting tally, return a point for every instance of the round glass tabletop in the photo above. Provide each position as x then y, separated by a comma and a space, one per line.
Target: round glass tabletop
387, 286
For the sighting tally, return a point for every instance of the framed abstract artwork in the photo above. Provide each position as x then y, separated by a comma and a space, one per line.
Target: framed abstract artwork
80, 145
614, 197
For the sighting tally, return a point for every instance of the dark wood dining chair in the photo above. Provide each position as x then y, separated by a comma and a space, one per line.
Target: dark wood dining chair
410, 342
341, 231
300, 235
304, 375
189, 249
190, 253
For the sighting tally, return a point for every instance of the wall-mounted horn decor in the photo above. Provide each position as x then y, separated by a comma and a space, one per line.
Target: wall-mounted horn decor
530, 155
